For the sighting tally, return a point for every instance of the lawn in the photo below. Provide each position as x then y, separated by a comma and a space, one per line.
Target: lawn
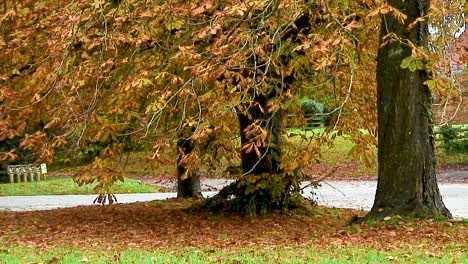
339, 153
338, 156
68, 186
240, 255
173, 232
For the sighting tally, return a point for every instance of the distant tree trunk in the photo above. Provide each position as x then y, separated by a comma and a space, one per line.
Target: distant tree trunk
268, 160
188, 182
406, 175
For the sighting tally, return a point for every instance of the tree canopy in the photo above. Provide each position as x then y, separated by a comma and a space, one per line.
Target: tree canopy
95, 79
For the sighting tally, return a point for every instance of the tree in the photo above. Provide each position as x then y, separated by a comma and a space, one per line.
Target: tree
109, 75
188, 179
288, 49
406, 172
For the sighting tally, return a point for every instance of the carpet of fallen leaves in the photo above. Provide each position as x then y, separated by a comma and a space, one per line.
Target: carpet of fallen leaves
171, 223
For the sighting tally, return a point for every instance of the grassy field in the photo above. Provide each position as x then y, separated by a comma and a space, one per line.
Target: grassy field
68, 186
339, 155
241, 255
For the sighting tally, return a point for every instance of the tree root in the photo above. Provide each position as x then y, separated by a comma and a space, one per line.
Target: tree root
255, 197
402, 214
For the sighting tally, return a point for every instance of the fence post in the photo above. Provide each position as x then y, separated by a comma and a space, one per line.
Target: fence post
37, 171
30, 173
11, 173
44, 171
24, 171
18, 174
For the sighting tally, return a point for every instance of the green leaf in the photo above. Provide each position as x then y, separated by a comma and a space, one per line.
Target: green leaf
419, 64
413, 66
430, 83
175, 24
406, 62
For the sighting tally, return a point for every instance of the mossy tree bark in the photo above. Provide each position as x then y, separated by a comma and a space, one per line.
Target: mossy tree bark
407, 183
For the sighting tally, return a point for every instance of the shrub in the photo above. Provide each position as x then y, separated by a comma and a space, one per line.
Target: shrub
455, 139
311, 107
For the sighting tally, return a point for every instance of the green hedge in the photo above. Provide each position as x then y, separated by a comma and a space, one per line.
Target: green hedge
311, 107
455, 139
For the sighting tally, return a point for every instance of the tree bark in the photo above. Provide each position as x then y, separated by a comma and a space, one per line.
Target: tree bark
407, 183
262, 187
268, 160
188, 182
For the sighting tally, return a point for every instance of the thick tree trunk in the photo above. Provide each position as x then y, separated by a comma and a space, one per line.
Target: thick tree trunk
262, 187
406, 175
268, 160
188, 182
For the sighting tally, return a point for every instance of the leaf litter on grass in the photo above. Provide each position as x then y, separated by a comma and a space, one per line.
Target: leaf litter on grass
159, 225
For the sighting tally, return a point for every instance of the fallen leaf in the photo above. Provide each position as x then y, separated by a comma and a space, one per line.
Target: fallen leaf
430, 254
52, 260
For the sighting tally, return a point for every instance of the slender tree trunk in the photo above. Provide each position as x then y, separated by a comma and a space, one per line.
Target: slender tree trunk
406, 175
188, 181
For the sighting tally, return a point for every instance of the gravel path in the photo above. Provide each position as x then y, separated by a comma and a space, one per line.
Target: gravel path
355, 194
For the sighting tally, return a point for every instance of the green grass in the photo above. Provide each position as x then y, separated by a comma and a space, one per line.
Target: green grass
341, 147
238, 255
330, 155
68, 186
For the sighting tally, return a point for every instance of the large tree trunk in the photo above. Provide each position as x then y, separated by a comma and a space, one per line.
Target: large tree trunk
406, 175
262, 187
268, 160
188, 180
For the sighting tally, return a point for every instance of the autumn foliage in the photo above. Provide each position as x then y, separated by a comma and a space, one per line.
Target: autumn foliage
92, 80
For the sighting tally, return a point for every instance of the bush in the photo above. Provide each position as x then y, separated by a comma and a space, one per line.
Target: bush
311, 107
455, 139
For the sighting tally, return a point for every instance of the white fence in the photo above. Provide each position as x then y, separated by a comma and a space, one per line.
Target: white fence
25, 172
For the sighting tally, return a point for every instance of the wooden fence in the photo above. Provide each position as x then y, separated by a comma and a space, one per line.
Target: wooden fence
312, 121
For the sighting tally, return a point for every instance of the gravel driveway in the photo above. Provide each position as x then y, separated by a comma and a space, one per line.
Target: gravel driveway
355, 194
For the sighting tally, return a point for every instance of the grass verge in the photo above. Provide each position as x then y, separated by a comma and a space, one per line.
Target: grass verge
239, 255
68, 186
